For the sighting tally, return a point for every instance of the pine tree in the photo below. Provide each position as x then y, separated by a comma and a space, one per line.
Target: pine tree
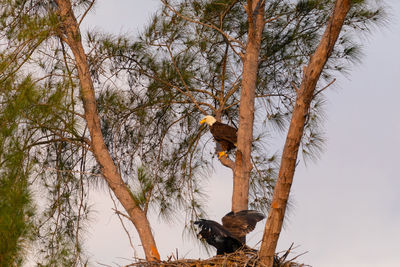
79, 110
16, 205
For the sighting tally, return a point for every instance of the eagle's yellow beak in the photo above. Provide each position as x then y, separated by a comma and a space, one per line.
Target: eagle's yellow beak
203, 121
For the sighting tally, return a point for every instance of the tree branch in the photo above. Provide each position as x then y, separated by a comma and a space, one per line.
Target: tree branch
229, 38
86, 11
329, 84
290, 152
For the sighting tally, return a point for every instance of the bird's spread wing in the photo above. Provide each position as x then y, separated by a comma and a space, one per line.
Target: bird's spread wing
242, 222
209, 228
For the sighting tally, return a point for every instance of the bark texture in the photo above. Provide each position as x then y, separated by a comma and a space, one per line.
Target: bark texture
70, 34
240, 197
288, 163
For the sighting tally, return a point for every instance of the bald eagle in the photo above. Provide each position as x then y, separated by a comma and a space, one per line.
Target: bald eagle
224, 134
226, 237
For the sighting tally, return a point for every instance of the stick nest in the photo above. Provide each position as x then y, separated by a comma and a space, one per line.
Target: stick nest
238, 258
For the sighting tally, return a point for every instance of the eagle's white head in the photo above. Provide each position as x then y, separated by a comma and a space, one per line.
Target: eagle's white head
210, 120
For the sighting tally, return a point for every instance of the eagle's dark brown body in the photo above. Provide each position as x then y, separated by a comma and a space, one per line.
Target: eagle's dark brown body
225, 135
226, 238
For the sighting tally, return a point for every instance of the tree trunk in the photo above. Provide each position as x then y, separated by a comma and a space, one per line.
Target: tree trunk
240, 197
288, 163
71, 35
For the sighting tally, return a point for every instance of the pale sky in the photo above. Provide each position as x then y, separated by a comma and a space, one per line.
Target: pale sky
346, 205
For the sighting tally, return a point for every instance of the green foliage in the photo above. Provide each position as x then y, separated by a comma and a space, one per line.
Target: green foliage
42, 140
141, 130
32, 137
306, 6
16, 207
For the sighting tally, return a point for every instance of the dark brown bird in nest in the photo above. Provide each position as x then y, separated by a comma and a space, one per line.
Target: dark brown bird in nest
226, 238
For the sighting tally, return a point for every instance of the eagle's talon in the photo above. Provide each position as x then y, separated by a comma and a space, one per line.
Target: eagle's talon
222, 153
